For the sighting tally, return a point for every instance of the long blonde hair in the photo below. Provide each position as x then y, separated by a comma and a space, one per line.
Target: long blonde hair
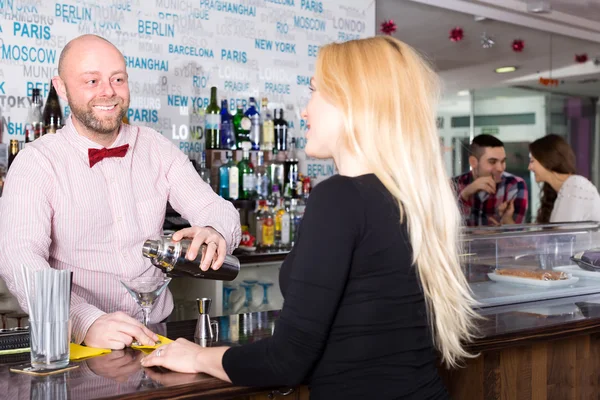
388, 95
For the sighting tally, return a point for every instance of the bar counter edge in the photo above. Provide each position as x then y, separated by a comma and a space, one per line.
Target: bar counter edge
521, 354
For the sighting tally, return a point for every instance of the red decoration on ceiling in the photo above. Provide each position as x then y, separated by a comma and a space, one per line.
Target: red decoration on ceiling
388, 27
581, 58
548, 81
456, 34
518, 45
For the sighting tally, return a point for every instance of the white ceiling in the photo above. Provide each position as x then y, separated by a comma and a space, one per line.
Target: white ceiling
467, 65
587, 9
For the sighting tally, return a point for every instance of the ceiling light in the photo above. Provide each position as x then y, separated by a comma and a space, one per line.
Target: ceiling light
463, 93
503, 70
539, 6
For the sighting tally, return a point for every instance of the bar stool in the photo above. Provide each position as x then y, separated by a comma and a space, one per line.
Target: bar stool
3, 316
18, 316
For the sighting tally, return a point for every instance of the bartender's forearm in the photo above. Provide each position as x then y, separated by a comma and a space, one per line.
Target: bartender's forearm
228, 225
217, 213
83, 315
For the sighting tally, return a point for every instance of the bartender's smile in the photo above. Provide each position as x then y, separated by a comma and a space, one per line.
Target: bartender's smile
106, 108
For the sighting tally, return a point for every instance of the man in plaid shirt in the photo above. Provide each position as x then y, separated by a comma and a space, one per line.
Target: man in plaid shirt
488, 195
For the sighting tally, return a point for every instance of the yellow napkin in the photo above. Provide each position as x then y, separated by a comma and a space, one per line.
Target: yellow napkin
79, 352
163, 341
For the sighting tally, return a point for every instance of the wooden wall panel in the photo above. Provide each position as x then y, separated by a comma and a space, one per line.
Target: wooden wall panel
564, 369
539, 371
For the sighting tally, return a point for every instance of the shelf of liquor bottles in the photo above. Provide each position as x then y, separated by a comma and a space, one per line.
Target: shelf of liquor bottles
251, 160
258, 172
266, 189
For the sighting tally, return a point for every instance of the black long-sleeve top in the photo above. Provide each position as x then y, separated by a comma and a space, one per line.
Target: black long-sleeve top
353, 323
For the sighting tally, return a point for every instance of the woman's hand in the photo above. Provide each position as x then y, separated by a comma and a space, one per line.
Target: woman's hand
185, 356
506, 211
180, 356
169, 378
216, 246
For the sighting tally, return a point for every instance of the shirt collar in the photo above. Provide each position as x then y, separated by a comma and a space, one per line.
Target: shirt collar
127, 134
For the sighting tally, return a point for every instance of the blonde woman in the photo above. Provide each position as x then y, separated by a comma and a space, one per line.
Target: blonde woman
373, 285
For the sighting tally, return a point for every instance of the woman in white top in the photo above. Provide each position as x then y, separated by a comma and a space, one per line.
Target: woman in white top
566, 197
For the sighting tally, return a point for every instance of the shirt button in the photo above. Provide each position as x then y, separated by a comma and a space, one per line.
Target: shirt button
119, 219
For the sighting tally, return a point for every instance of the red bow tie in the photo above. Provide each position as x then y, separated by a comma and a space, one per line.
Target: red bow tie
97, 155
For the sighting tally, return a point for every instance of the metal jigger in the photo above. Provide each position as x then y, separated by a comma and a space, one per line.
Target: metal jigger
205, 334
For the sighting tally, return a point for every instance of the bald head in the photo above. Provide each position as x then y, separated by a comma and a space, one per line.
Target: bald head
92, 78
82, 42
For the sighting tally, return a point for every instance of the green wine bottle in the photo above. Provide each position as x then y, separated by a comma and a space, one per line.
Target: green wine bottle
241, 125
212, 124
247, 178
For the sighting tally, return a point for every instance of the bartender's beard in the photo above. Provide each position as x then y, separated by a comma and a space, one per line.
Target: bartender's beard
85, 114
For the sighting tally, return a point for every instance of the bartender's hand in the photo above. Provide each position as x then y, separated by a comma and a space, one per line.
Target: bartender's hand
216, 247
118, 365
485, 183
118, 330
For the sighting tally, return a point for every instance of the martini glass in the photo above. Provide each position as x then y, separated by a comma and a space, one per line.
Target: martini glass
145, 290
227, 290
265, 306
248, 285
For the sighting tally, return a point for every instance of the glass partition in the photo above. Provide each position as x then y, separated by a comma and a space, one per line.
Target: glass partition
522, 263
455, 132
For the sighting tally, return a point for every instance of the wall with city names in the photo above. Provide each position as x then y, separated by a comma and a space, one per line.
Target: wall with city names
176, 50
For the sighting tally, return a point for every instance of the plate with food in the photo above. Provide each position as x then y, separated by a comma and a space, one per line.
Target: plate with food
577, 271
533, 277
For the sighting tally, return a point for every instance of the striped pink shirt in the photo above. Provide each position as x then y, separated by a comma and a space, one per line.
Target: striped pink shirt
57, 211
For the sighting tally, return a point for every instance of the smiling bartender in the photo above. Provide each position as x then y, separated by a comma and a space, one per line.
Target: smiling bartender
86, 198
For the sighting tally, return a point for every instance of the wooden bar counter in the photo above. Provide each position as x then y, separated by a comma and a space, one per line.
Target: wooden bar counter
542, 350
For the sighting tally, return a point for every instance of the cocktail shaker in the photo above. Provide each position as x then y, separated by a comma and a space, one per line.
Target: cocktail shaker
170, 256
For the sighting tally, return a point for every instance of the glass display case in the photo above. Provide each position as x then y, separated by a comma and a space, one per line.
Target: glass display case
514, 264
